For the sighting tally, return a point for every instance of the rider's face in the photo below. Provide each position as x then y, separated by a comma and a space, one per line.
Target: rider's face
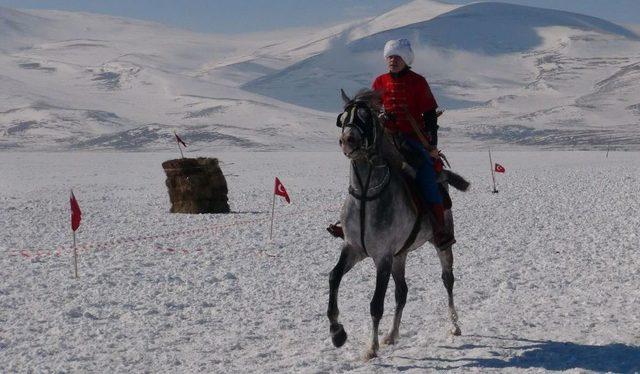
395, 64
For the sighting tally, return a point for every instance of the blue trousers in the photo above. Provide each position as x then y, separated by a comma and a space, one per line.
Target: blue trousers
426, 175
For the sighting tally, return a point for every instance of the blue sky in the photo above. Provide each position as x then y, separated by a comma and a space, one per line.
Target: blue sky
237, 16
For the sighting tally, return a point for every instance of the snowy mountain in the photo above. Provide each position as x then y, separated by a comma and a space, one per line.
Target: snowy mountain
80, 80
511, 73
508, 74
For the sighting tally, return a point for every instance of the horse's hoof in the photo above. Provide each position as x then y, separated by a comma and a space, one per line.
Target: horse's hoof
370, 354
389, 340
338, 335
456, 331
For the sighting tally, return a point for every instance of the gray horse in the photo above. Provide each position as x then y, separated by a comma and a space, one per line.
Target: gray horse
380, 219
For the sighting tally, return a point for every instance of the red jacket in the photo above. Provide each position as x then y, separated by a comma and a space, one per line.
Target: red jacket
406, 89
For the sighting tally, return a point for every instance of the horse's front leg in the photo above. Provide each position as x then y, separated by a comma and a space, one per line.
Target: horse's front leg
377, 303
446, 261
397, 270
348, 257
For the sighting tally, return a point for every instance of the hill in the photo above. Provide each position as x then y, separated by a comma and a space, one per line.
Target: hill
507, 74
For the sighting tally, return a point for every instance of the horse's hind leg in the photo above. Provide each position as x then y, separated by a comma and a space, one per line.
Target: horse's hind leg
397, 270
377, 303
446, 261
348, 258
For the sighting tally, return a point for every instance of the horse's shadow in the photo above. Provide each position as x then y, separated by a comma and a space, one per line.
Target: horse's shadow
542, 354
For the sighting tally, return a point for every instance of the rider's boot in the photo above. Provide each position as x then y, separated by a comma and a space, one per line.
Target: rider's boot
442, 238
336, 230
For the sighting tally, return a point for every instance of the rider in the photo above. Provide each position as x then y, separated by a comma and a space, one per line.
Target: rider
406, 97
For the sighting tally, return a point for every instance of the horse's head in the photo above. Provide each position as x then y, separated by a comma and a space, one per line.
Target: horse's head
360, 126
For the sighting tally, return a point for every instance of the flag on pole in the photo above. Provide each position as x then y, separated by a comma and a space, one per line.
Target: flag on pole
76, 214
179, 140
492, 167
281, 191
499, 168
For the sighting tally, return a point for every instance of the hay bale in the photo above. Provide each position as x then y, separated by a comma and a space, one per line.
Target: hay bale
196, 185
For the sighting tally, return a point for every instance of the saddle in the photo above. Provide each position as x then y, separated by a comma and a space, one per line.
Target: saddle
406, 160
401, 164
414, 191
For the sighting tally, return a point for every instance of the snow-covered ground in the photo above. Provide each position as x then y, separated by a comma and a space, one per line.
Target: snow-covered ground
547, 269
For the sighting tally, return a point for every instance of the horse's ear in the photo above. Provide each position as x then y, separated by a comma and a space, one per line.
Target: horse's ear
345, 98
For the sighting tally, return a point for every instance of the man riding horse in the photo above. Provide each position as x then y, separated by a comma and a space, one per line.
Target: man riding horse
407, 101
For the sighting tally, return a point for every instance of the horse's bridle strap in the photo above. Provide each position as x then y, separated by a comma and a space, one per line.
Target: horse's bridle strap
380, 189
350, 121
353, 193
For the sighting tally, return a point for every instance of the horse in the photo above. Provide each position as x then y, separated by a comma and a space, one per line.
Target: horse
380, 219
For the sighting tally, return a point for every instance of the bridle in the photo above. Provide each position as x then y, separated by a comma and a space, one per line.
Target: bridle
359, 116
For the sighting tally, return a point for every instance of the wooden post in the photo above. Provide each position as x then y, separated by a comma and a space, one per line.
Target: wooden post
175, 134
179, 148
273, 207
75, 254
493, 176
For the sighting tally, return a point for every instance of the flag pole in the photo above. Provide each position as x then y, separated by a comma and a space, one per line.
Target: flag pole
178, 143
493, 176
75, 254
273, 208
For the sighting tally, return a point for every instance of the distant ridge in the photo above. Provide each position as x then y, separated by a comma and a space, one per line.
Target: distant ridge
507, 74
491, 28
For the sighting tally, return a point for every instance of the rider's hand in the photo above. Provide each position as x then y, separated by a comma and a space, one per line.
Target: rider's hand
435, 152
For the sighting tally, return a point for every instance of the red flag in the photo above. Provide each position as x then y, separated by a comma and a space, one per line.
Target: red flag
281, 191
179, 140
76, 215
499, 168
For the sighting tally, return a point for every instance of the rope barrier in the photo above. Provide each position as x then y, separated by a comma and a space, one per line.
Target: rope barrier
105, 245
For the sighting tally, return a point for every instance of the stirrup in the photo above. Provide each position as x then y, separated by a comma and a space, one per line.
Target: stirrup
336, 230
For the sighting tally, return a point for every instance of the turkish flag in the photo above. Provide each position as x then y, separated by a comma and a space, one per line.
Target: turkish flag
281, 191
499, 168
76, 214
179, 140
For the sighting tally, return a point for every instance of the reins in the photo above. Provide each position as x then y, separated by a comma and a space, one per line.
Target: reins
369, 148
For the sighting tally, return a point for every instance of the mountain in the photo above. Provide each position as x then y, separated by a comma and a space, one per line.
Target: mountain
287, 47
491, 28
507, 74
77, 80
510, 73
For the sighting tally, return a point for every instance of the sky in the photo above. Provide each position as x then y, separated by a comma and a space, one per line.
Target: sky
239, 16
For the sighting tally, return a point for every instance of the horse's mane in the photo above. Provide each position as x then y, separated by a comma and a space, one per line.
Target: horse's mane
365, 95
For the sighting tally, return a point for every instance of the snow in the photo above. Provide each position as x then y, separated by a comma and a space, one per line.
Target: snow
562, 78
546, 270
144, 76
517, 76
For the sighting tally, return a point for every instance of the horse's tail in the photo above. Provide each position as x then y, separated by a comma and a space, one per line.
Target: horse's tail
455, 180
